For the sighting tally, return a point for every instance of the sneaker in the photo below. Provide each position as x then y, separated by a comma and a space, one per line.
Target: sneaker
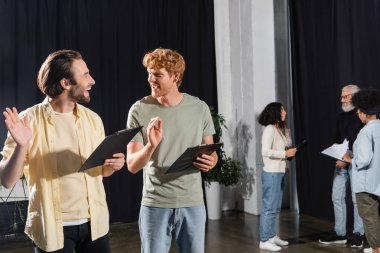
277, 240
356, 240
333, 238
268, 245
366, 247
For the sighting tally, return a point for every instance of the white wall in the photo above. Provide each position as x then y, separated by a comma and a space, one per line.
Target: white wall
244, 41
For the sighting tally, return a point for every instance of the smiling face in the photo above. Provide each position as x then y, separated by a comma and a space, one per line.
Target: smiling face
79, 90
346, 100
161, 83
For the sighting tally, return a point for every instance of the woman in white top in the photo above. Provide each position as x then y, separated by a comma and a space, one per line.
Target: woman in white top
275, 142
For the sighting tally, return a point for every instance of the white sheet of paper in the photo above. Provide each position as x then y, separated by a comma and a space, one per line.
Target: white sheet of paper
337, 151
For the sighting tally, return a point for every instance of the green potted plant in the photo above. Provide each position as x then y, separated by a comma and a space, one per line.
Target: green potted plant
227, 172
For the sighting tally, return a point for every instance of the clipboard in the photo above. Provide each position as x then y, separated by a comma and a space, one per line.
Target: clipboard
302, 144
336, 151
299, 147
185, 161
333, 157
114, 143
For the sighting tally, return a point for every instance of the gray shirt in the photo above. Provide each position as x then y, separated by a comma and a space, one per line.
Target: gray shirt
184, 125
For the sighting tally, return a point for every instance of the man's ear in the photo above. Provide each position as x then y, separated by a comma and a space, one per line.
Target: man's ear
176, 77
65, 84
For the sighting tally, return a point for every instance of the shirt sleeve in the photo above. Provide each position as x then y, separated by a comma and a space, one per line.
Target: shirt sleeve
363, 150
208, 127
133, 122
9, 147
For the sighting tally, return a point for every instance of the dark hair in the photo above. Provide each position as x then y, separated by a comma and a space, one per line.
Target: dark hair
271, 115
367, 101
56, 67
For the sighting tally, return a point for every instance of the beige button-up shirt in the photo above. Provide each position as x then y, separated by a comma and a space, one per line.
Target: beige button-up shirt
44, 222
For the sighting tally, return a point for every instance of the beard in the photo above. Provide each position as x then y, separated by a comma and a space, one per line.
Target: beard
348, 108
76, 93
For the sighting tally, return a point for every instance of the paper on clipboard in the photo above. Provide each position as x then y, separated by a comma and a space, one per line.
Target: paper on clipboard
185, 161
114, 143
336, 151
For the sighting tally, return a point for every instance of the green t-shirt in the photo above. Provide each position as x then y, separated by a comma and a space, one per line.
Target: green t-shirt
184, 126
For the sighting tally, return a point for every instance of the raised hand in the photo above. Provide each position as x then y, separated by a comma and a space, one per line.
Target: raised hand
154, 131
17, 127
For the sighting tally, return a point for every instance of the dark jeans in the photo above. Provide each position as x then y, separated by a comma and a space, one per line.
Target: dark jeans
79, 238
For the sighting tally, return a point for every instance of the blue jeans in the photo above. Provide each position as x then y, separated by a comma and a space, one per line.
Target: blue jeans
340, 183
272, 185
187, 225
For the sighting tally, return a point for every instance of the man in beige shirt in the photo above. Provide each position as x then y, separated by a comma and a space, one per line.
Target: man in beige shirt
49, 142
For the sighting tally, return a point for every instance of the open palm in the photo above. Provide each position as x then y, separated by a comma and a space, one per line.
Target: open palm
17, 127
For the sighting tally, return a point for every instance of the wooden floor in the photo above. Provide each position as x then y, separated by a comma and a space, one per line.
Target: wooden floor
236, 232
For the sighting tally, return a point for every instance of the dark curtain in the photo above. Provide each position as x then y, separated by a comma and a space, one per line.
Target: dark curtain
112, 36
334, 43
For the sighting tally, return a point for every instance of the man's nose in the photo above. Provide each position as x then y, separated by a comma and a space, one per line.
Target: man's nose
151, 78
92, 80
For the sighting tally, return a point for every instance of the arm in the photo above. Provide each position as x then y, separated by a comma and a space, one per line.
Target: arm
266, 145
207, 162
363, 151
19, 129
346, 158
139, 155
11, 169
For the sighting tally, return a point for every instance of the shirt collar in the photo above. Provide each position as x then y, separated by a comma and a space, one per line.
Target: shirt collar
49, 112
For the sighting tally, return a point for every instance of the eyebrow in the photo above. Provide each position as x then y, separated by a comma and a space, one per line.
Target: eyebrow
155, 72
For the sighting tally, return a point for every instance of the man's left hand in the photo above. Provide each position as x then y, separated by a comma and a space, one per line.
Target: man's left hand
341, 164
206, 162
115, 163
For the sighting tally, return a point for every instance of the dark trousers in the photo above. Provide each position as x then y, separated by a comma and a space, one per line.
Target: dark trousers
78, 238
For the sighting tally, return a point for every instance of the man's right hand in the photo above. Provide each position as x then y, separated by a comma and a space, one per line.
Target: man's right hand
154, 131
341, 164
18, 128
137, 154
